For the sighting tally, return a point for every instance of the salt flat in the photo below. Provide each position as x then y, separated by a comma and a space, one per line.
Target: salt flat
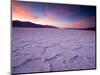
52, 49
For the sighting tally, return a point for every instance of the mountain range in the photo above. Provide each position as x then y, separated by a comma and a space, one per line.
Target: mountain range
17, 23
25, 24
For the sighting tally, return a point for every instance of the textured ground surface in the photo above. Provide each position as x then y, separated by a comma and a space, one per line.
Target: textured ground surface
49, 49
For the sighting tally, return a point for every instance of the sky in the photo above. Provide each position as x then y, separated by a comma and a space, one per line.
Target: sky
58, 15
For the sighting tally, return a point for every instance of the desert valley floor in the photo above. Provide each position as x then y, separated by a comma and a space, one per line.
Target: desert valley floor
52, 49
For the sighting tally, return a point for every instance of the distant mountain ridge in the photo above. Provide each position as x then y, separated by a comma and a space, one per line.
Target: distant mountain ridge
92, 28
18, 23
25, 24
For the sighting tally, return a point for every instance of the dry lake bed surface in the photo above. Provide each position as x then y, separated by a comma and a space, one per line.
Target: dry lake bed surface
52, 49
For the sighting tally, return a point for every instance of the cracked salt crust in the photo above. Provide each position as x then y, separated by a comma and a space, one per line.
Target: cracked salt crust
50, 49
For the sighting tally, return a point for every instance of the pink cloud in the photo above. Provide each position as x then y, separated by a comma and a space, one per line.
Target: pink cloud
82, 23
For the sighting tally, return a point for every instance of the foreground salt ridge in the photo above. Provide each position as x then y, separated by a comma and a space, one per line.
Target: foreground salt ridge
50, 49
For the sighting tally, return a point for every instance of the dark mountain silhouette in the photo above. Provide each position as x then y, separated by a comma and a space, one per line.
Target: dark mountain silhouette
17, 23
91, 28
24, 24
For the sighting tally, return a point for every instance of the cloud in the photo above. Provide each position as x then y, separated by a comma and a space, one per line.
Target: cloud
20, 12
60, 11
55, 15
86, 22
